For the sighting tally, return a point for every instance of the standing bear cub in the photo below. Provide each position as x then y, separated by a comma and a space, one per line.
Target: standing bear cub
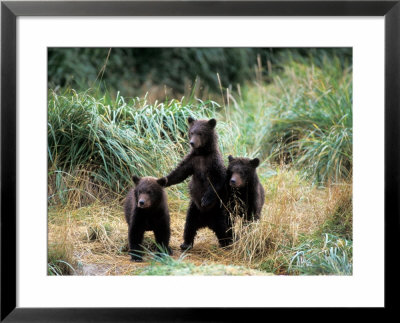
146, 209
246, 196
207, 186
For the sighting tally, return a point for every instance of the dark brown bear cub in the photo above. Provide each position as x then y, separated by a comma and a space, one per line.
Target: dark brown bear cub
146, 209
246, 196
207, 186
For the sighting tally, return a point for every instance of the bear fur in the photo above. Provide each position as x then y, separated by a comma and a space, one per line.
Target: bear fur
146, 209
246, 194
207, 186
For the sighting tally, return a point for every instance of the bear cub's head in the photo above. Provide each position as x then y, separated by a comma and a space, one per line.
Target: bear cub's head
241, 170
201, 132
148, 191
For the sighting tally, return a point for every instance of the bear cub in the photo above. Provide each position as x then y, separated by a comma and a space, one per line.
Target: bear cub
207, 187
246, 196
146, 209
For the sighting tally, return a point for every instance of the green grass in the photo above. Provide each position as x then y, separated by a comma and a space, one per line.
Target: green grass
104, 141
328, 256
165, 265
300, 115
323, 254
59, 268
312, 121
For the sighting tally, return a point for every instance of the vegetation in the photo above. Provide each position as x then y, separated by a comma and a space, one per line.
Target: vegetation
330, 256
95, 145
168, 72
165, 265
60, 252
295, 115
312, 126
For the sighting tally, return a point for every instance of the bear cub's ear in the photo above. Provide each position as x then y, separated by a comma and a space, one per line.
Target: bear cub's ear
255, 162
136, 179
212, 123
230, 158
190, 120
162, 181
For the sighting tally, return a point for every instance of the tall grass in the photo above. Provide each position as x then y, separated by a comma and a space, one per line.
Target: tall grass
300, 115
95, 145
312, 120
304, 118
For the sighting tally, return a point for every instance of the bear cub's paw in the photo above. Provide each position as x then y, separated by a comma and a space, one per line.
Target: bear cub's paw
136, 258
162, 181
225, 243
184, 246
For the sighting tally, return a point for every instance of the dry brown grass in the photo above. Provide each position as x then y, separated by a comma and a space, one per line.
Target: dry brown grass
76, 188
291, 209
60, 255
97, 234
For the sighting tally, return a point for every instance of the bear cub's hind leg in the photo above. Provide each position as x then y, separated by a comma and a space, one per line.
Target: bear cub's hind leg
191, 226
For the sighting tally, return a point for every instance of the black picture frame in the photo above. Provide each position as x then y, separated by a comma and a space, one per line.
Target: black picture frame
10, 10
